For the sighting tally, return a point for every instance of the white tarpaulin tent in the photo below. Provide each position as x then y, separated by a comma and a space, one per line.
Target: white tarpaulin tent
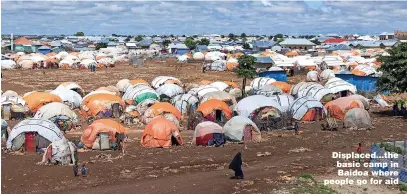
312, 76
301, 106
45, 128
68, 96
8, 64
285, 101
55, 109
266, 90
63, 152
261, 81
338, 85
220, 85
133, 92
220, 95
357, 118
123, 84
249, 104
170, 90
202, 90
160, 80
300, 86
315, 90
234, 129
326, 74
182, 102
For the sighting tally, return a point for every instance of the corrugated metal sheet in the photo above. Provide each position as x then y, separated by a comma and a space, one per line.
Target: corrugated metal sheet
362, 83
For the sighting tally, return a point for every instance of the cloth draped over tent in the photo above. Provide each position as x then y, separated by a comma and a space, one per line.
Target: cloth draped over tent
302, 105
247, 105
235, 129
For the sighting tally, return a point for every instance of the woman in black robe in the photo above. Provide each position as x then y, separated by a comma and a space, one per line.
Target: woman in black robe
236, 165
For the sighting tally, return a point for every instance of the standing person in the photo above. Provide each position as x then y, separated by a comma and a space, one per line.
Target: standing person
359, 150
236, 165
296, 128
75, 169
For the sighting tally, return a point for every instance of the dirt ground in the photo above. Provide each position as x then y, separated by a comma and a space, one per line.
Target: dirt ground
188, 168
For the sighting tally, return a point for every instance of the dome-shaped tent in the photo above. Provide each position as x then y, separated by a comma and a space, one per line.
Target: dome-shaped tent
326, 74
37, 99
161, 133
284, 86
122, 84
58, 113
103, 105
202, 90
338, 107
316, 91
337, 85
298, 87
358, 118
139, 93
8, 64
106, 126
248, 105
47, 133
162, 109
312, 76
209, 107
261, 81
184, 101
285, 101
161, 80
170, 90
71, 86
239, 129
307, 108
267, 90
220, 95
69, 97
208, 133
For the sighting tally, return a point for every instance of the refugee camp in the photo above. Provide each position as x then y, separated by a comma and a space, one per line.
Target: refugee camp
154, 108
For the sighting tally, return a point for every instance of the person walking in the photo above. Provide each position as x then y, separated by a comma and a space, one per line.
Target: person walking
75, 169
236, 165
296, 128
84, 170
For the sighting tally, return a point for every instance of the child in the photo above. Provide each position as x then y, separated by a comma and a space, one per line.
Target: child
296, 128
359, 150
236, 165
84, 169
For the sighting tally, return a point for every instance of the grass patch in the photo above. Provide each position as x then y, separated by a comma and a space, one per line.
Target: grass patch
403, 187
307, 184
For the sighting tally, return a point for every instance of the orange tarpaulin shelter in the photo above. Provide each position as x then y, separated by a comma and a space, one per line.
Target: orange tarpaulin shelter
205, 82
230, 83
358, 72
211, 105
96, 103
163, 107
101, 126
159, 133
231, 66
138, 81
338, 108
23, 41
50, 54
36, 100
285, 87
238, 54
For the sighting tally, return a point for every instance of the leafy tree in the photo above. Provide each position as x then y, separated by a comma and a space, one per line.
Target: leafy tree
127, 39
246, 70
270, 37
166, 42
222, 36
243, 35
190, 43
316, 41
203, 41
278, 36
394, 68
246, 45
280, 40
244, 39
172, 35
100, 45
114, 35
138, 38
79, 34
183, 35
195, 36
231, 36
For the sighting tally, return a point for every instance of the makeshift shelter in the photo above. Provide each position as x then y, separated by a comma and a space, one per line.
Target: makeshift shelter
300, 86
72, 86
161, 80
58, 113
338, 107
101, 134
205, 82
161, 133
139, 93
261, 81
340, 87
9, 93
363, 99
87, 63
236, 92
208, 133
69, 97
217, 65
232, 64
66, 63
285, 101
33, 134
185, 102
110, 90
164, 109
241, 129
13, 107
222, 86
326, 74
170, 90
231, 84
26, 64
284, 86
307, 108
215, 110
248, 105
198, 56
123, 84
8, 64
60, 152
313, 76
220, 95
316, 91
358, 118
266, 90
138, 81
36, 100
199, 92
102, 105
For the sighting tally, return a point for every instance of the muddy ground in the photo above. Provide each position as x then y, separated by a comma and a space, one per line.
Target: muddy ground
269, 166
